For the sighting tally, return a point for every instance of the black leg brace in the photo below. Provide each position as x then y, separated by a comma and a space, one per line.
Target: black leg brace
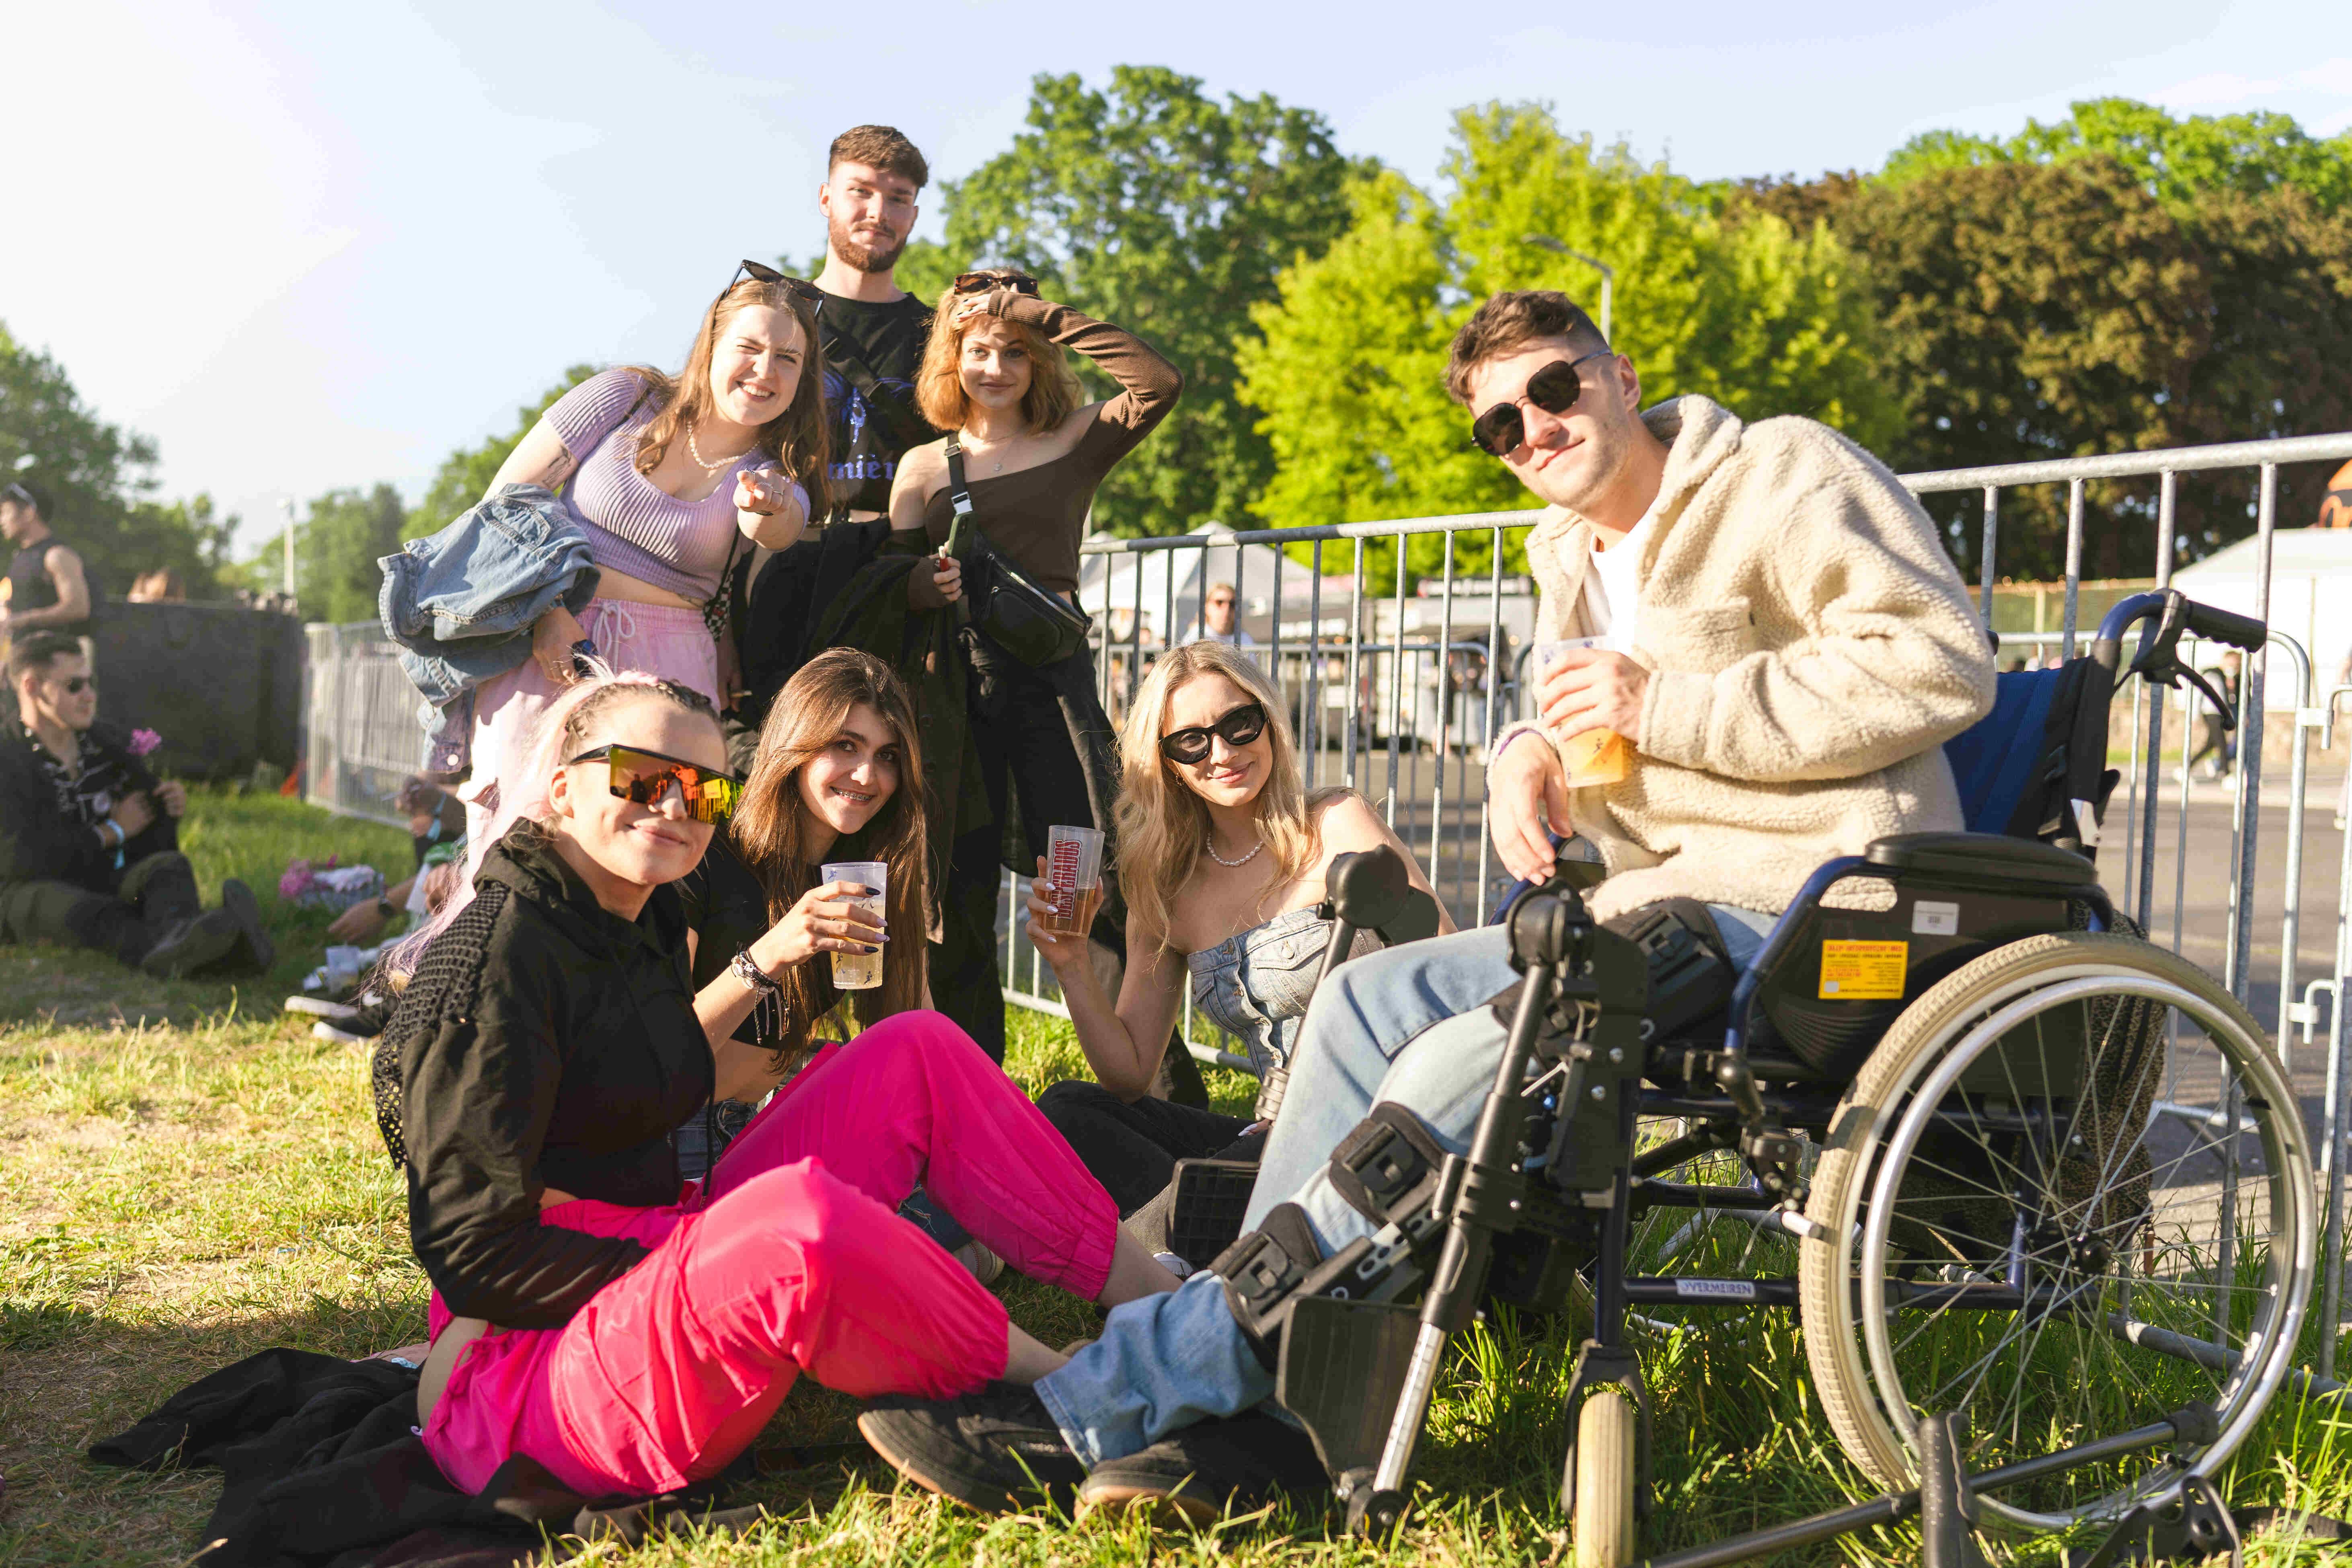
1387, 1169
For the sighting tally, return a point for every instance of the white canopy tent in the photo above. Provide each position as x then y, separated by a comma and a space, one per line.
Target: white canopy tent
1107, 586
2311, 571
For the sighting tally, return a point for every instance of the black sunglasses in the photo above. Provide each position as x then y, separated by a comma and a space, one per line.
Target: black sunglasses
996, 277
1554, 389
643, 778
760, 272
78, 684
1239, 728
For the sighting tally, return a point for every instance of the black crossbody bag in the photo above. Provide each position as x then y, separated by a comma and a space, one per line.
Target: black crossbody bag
1013, 609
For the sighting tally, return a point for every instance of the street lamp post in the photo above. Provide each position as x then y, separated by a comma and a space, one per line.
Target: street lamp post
287, 508
1608, 273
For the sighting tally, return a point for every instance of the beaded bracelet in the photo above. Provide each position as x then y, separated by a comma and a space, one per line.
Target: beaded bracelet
764, 986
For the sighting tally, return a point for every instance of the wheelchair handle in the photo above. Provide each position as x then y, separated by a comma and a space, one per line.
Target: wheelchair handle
2158, 659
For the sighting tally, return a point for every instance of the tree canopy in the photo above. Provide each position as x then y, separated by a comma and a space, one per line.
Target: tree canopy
99, 480
1157, 206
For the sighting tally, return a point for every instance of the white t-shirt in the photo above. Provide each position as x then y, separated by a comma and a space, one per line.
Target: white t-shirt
1612, 588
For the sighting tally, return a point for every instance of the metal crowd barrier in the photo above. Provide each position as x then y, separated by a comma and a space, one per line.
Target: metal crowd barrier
359, 723
1401, 707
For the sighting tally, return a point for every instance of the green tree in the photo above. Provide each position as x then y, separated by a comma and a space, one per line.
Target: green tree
1727, 300
2063, 309
99, 479
1159, 208
336, 548
2175, 160
465, 475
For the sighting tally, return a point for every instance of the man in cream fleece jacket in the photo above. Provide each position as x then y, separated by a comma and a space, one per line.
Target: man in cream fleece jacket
1787, 648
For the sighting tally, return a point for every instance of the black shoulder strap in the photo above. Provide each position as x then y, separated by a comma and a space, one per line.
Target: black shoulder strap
958, 499
842, 354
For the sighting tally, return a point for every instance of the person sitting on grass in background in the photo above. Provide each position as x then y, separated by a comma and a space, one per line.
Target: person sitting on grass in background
1223, 857
1787, 648
837, 776
628, 1331
89, 844
436, 819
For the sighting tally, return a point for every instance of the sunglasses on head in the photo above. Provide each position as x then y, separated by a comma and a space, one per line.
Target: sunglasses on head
644, 778
760, 272
1501, 430
1010, 278
1239, 728
18, 494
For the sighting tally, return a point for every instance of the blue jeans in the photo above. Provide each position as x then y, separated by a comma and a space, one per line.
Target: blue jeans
1410, 1026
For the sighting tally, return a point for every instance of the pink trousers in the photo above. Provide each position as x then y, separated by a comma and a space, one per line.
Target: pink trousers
791, 1259
659, 639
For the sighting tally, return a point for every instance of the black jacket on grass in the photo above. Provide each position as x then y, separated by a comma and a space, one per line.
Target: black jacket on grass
544, 1042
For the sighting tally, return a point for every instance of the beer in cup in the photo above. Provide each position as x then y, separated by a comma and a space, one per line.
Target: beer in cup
1073, 877
1595, 756
859, 971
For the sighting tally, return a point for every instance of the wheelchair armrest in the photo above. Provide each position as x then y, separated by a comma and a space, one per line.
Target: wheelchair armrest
1994, 862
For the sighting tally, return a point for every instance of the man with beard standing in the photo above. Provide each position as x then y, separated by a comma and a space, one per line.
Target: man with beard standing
872, 330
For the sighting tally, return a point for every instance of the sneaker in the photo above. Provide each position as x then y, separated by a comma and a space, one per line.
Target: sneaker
258, 953
994, 1450
193, 944
978, 1260
1193, 1477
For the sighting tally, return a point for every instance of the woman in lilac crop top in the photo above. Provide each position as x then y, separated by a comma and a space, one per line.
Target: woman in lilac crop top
669, 476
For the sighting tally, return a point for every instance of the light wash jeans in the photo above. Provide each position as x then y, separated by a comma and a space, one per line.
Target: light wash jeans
1409, 1025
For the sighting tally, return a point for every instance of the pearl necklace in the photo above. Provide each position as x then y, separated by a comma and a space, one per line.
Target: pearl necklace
1210, 844
696, 453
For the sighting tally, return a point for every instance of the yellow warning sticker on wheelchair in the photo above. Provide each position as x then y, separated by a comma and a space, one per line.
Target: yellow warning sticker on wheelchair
1863, 971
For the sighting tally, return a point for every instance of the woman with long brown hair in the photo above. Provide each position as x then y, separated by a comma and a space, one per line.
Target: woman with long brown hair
669, 476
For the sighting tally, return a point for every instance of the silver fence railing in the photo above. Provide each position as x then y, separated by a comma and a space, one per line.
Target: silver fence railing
1396, 694
358, 721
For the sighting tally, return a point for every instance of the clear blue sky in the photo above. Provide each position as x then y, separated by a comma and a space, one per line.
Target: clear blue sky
305, 245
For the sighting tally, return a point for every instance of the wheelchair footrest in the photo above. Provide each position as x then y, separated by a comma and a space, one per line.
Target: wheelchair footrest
1212, 1195
1342, 1369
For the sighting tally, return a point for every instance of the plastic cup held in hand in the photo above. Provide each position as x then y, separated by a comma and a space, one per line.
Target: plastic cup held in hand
859, 971
1592, 756
1073, 870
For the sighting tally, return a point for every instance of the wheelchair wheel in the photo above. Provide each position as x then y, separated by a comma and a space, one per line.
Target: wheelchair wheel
1604, 1479
2074, 1195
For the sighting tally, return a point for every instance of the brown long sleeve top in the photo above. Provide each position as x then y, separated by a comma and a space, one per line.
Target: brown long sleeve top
1038, 516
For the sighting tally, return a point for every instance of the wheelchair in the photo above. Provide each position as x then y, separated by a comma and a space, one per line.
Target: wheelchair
2028, 1181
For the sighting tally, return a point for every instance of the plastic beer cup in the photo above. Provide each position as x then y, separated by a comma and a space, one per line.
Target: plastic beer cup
859, 971
1073, 869
1593, 756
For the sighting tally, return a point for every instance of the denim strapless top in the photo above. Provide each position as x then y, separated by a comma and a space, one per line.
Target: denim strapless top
1256, 986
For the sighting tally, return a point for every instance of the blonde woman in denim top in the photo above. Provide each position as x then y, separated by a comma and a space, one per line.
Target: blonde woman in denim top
670, 476
1221, 859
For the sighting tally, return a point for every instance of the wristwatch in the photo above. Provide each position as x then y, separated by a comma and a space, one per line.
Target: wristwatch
386, 908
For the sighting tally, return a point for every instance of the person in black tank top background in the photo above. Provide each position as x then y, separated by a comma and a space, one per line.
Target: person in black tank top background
49, 588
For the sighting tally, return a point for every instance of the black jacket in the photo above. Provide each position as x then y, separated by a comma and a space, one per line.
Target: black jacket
544, 1042
39, 843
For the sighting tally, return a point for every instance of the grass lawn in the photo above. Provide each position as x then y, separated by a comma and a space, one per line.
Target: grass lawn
186, 1176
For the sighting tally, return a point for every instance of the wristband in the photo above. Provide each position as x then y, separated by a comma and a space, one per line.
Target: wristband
120, 838
769, 1014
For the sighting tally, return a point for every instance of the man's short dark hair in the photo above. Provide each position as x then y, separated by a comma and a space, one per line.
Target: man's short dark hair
38, 650
880, 147
23, 494
1508, 322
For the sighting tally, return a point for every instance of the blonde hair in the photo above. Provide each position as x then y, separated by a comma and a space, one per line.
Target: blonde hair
1054, 391
1163, 825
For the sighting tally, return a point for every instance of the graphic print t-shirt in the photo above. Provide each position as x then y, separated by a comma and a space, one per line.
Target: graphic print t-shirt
867, 440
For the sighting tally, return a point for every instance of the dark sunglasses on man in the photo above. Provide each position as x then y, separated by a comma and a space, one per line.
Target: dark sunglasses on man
644, 778
987, 277
1239, 728
1555, 388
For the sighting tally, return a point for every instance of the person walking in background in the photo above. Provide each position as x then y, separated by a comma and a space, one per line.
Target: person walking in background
1029, 453
666, 474
1219, 612
89, 844
48, 588
2213, 739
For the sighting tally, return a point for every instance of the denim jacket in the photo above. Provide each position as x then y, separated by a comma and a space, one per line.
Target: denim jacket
461, 604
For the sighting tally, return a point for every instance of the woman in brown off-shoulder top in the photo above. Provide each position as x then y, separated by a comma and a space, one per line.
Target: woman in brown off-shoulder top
995, 374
